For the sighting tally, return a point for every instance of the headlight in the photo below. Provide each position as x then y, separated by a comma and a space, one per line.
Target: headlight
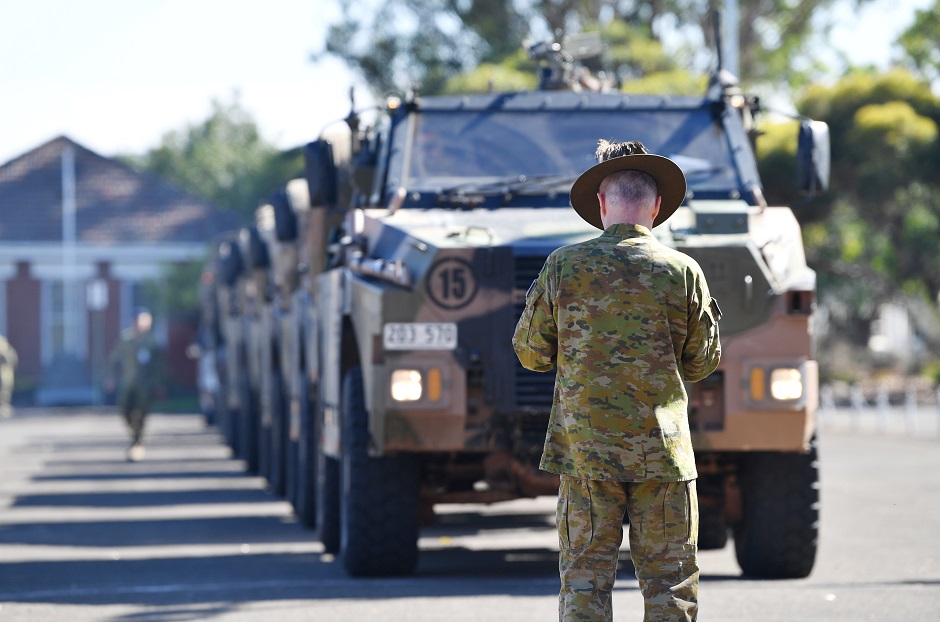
786, 384
406, 385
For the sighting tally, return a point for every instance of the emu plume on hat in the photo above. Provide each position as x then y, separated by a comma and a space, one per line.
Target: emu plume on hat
670, 184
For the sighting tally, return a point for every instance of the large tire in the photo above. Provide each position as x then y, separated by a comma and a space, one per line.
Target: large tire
712, 528
306, 459
264, 443
329, 503
249, 425
292, 455
278, 436
778, 535
380, 513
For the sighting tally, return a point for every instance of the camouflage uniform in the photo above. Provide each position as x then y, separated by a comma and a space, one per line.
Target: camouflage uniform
135, 368
625, 320
8, 362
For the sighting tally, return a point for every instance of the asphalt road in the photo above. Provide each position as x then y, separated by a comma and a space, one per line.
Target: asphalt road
186, 535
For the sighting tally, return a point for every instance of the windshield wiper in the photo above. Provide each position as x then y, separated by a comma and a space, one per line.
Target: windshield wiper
511, 183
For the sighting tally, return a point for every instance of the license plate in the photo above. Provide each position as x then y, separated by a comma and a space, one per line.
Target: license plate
420, 336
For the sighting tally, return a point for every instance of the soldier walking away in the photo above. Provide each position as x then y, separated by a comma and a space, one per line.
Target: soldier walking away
625, 320
134, 372
8, 362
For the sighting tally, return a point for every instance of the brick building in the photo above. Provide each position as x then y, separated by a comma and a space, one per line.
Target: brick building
80, 235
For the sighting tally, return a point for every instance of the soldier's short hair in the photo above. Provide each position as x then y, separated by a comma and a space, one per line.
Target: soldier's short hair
630, 188
607, 149
626, 187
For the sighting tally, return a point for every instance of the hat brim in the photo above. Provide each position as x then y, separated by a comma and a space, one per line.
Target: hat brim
670, 183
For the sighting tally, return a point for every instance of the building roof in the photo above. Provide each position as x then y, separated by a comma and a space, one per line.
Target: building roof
114, 203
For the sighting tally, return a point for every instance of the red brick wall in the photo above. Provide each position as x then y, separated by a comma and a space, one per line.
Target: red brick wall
23, 319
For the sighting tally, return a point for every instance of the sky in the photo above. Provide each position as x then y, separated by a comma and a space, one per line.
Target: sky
117, 75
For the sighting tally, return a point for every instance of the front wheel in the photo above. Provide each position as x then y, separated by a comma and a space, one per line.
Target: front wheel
778, 535
305, 458
380, 513
329, 503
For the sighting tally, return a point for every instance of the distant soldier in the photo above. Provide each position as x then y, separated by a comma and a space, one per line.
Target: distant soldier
626, 320
8, 362
135, 372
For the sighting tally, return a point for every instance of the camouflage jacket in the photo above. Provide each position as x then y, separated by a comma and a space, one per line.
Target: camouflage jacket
625, 320
136, 361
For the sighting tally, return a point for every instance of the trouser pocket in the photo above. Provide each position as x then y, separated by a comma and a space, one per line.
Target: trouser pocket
575, 524
681, 513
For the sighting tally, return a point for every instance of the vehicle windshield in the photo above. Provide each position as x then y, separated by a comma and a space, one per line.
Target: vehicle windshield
481, 150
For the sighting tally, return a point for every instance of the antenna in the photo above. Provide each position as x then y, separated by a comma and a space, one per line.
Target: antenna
716, 27
352, 120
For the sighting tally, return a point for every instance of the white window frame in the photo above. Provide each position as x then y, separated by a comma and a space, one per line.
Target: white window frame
47, 347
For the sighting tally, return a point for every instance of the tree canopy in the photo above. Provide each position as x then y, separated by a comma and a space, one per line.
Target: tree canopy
873, 237
223, 159
398, 44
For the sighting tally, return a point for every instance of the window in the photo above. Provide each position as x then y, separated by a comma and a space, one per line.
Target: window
64, 326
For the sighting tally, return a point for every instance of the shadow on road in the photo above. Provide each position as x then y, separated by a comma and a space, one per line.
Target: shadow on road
186, 550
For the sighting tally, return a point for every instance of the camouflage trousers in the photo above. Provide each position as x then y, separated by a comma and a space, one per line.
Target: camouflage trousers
134, 402
6, 390
663, 545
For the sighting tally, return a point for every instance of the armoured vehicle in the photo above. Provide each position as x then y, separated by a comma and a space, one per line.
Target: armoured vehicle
285, 437
223, 374
421, 242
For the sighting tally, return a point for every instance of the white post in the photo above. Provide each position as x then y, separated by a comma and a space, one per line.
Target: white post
69, 306
732, 51
884, 409
858, 402
910, 408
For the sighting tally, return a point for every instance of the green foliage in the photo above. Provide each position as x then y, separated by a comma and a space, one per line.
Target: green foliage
894, 126
931, 371
224, 160
879, 241
396, 44
176, 291
919, 42
491, 78
672, 82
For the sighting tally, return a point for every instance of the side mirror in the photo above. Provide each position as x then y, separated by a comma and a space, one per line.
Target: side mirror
230, 263
320, 171
812, 157
366, 162
285, 220
254, 252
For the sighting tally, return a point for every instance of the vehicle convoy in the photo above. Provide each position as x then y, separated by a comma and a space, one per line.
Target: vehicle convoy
251, 366
419, 244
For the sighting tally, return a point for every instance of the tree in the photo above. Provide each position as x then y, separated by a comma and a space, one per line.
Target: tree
224, 160
920, 43
873, 237
397, 44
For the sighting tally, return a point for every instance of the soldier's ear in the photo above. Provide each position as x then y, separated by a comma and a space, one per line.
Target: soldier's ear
659, 202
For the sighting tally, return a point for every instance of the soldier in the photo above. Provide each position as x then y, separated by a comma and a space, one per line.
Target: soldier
625, 319
8, 362
134, 371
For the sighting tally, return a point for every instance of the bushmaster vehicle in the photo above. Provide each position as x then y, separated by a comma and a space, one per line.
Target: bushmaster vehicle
423, 233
